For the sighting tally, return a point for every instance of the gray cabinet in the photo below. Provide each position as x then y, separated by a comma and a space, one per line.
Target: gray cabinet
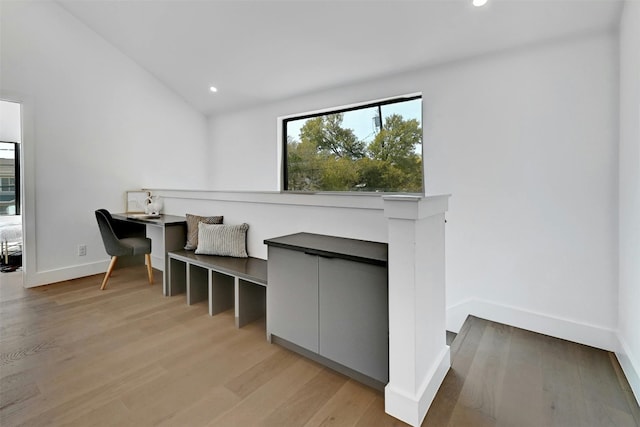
292, 310
354, 319
327, 298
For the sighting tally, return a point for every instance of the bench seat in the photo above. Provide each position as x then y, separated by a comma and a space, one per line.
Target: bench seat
225, 281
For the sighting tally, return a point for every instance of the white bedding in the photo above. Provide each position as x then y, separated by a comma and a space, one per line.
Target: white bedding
10, 228
10, 232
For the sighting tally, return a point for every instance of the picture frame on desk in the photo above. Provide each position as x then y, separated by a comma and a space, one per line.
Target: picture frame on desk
135, 200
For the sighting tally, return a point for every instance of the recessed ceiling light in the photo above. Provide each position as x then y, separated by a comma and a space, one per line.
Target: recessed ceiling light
478, 3
213, 89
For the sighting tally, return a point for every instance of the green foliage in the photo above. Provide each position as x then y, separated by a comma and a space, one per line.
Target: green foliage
331, 158
304, 165
395, 142
328, 135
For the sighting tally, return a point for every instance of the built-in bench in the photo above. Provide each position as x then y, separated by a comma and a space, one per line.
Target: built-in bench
225, 281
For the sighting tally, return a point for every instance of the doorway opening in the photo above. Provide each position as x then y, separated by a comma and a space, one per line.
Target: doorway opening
11, 242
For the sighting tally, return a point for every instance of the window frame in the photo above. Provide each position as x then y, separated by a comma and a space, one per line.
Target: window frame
338, 110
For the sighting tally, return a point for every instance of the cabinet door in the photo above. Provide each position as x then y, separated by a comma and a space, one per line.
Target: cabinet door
292, 297
354, 316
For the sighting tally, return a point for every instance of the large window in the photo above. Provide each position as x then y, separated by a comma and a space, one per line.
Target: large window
376, 147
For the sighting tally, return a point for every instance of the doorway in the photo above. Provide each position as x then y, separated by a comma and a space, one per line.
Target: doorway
11, 241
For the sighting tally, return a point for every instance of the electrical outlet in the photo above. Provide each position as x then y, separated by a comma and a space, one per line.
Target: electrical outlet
82, 250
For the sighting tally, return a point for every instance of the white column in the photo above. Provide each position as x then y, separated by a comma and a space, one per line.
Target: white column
418, 354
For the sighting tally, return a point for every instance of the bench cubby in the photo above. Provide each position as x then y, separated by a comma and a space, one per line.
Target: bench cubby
225, 282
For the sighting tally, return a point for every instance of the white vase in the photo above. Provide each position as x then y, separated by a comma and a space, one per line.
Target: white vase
153, 205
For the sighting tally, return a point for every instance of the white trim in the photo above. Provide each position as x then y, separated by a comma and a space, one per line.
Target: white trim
325, 199
347, 106
279, 154
626, 362
415, 207
457, 314
27, 181
68, 273
157, 262
412, 409
567, 329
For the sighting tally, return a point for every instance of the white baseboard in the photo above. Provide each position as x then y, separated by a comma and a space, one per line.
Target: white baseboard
157, 262
39, 278
591, 335
412, 409
631, 371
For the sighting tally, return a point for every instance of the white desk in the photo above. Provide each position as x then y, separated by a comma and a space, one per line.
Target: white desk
173, 231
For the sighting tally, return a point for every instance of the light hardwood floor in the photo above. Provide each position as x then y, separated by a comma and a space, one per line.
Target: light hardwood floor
505, 376
71, 354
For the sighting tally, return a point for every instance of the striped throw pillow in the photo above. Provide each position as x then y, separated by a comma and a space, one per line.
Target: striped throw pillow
223, 240
192, 228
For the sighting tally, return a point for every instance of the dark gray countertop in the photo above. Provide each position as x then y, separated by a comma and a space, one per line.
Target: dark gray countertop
334, 247
163, 220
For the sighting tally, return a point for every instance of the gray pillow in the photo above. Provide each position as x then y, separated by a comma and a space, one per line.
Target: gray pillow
192, 228
224, 240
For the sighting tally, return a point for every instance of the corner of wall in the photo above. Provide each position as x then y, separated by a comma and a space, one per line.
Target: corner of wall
518, 317
625, 358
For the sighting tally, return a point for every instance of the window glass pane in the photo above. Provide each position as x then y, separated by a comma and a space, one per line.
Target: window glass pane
7, 179
374, 148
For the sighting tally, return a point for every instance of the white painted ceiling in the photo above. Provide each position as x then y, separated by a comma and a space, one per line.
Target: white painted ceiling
261, 51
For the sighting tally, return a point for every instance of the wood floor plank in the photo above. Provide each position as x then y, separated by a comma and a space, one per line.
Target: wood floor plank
624, 385
110, 414
259, 404
12, 396
188, 383
599, 380
146, 351
345, 408
129, 356
209, 406
463, 350
484, 380
300, 407
373, 417
518, 405
66, 406
445, 401
562, 394
256, 376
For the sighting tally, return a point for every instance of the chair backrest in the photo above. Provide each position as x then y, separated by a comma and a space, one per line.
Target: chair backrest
109, 237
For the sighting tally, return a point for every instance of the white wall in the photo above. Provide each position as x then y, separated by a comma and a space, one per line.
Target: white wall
629, 310
273, 214
528, 149
96, 125
10, 129
525, 141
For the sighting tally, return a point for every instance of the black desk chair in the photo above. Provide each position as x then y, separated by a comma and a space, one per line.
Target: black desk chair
117, 242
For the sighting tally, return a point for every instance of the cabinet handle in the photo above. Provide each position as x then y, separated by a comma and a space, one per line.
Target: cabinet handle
318, 254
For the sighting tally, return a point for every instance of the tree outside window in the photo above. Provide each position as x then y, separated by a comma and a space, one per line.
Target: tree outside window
375, 148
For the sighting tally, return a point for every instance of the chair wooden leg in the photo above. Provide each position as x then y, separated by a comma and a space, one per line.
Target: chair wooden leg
149, 268
108, 274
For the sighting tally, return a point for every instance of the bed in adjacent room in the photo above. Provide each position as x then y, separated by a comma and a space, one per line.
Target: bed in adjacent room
10, 237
